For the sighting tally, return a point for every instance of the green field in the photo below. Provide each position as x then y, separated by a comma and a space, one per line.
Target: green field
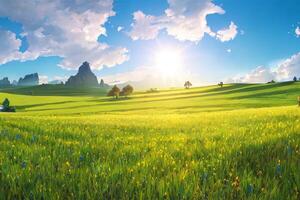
241, 141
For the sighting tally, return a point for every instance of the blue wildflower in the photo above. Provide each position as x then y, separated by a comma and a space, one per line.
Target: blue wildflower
204, 177
249, 189
33, 138
24, 164
81, 158
278, 169
18, 137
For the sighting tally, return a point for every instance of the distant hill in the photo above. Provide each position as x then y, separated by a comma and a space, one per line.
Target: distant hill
84, 78
29, 80
4, 82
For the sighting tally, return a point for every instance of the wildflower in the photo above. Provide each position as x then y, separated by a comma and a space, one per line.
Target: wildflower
68, 164
18, 137
33, 138
249, 189
236, 182
204, 177
278, 169
81, 158
23, 164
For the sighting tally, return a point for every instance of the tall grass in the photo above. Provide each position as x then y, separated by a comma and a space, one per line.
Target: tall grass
243, 154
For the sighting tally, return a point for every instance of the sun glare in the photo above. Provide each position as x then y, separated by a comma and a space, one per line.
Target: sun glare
168, 62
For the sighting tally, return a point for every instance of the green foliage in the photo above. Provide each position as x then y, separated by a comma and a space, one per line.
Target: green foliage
6, 107
295, 79
187, 84
5, 103
127, 90
114, 92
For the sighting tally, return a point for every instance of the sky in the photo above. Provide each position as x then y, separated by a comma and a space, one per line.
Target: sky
157, 43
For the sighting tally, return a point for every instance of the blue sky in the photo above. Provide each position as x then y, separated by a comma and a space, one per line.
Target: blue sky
262, 44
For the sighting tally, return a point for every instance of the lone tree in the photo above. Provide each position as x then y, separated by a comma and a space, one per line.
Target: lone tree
6, 107
114, 92
187, 84
295, 79
127, 90
5, 104
221, 84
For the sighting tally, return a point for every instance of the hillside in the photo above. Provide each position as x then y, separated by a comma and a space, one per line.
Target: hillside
55, 90
59, 99
239, 142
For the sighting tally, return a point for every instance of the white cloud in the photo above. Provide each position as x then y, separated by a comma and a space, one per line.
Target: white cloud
9, 48
228, 34
144, 26
120, 28
259, 75
184, 19
69, 29
284, 71
228, 50
43, 79
297, 31
60, 78
289, 68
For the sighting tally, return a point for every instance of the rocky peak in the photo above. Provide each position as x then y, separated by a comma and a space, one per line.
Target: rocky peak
29, 80
84, 78
85, 68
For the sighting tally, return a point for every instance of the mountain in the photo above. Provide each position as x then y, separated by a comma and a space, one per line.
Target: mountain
5, 82
29, 80
103, 85
14, 83
84, 78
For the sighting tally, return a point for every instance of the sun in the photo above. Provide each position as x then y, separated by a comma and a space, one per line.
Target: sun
168, 62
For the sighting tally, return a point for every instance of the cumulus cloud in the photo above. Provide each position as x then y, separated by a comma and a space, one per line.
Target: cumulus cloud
289, 68
145, 27
297, 31
9, 48
43, 79
184, 19
284, 71
69, 29
227, 34
120, 28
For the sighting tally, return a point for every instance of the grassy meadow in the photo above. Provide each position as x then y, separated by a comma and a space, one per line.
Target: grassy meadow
241, 141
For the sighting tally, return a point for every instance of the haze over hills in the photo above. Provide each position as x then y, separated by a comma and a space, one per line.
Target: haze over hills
84, 78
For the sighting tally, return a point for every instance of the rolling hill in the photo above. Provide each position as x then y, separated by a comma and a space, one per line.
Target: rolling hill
58, 99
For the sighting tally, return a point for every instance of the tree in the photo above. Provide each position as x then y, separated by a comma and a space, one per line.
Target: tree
114, 92
187, 84
272, 81
221, 84
6, 107
295, 79
5, 104
127, 90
